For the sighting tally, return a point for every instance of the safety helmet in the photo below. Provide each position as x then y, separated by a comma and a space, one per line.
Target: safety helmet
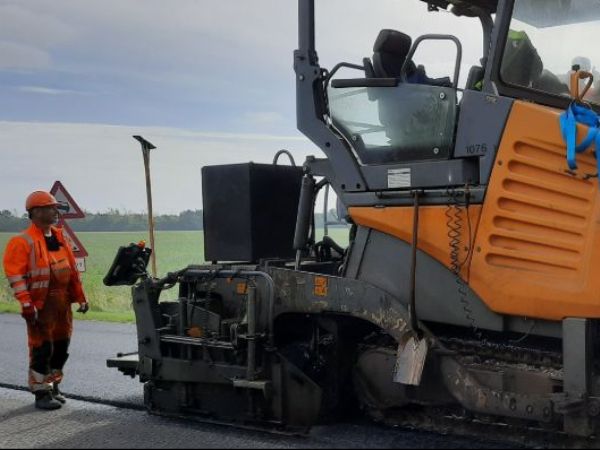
40, 199
583, 62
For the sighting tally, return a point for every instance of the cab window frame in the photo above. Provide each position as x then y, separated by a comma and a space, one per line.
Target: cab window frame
503, 23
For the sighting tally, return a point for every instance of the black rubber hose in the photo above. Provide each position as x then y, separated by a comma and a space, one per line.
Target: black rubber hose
305, 210
412, 311
284, 152
334, 245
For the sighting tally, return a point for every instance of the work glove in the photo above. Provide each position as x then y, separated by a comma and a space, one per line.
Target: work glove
29, 312
83, 308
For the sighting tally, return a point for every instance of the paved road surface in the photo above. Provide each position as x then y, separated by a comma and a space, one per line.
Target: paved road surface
88, 425
92, 425
86, 373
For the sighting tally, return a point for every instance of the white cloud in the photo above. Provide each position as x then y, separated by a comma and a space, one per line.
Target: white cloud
22, 56
28, 36
263, 118
49, 91
187, 34
24, 23
101, 165
211, 53
191, 49
188, 134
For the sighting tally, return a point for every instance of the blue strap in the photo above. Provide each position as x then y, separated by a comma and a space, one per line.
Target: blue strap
568, 123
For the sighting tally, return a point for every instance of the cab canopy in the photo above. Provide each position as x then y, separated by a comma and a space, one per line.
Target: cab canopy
552, 13
538, 13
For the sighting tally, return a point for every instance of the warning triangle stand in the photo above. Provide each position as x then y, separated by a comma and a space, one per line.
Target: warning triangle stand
78, 249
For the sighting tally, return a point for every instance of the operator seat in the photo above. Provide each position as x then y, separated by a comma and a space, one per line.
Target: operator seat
389, 53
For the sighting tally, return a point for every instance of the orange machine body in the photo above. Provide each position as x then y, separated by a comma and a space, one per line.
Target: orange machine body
535, 241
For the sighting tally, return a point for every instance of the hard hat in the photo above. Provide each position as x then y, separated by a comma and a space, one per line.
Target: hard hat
40, 199
583, 63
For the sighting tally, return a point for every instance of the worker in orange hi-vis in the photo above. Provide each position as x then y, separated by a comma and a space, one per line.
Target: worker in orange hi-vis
42, 273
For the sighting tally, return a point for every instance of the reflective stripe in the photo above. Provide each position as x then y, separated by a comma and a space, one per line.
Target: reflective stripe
40, 285
35, 270
32, 258
16, 278
36, 377
39, 272
57, 376
39, 382
28, 238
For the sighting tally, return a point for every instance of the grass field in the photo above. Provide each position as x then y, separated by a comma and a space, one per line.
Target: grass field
174, 249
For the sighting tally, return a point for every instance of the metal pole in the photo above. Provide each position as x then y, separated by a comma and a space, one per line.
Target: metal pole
325, 205
306, 25
146, 147
251, 335
150, 213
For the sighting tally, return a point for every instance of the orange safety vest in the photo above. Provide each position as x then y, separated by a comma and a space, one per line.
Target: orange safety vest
27, 267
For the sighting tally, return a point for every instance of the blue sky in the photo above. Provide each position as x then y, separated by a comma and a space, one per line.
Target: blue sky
207, 81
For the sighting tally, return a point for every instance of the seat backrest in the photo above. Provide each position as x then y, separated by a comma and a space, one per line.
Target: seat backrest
389, 53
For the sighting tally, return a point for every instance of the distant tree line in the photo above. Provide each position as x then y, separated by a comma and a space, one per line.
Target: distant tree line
9, 221
115, 220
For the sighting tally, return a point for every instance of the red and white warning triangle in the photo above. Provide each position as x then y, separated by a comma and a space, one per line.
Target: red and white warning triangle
78, 249
72, 209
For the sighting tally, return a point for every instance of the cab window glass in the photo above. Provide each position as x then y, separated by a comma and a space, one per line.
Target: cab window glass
546, 39
351, 37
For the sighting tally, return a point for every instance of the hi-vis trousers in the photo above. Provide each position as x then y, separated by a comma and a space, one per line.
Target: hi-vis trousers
49, 337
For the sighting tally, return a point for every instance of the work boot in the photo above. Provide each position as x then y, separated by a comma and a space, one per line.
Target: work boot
44, 400
57, 395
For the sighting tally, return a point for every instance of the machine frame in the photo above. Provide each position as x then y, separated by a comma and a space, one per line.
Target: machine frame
286, 343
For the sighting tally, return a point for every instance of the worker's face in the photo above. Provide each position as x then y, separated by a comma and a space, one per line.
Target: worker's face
44, 216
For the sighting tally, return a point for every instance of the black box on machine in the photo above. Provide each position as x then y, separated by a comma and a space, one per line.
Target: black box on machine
249, 211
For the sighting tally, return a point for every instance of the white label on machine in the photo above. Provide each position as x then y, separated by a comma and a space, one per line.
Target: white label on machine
80, 264
399, 178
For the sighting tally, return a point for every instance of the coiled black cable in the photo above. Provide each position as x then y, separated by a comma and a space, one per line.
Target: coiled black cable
457, 207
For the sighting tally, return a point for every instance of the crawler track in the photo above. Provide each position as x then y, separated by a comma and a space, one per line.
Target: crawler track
456, 423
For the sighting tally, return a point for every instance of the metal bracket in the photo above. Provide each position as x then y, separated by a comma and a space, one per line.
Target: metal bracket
259, 385
564, 404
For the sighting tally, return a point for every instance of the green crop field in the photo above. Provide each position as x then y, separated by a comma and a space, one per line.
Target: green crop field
174, 249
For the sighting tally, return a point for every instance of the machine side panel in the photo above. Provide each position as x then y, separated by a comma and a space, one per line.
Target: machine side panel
309, 293
384, 261
538, 241
480, 127
434, 232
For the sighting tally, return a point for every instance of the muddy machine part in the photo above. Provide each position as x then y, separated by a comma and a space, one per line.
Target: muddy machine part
210, 354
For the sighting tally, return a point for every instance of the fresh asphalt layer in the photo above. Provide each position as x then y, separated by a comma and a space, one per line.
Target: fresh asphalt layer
95, 423
86, 373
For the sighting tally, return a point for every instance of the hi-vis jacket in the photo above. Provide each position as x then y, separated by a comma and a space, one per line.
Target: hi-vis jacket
27, 267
